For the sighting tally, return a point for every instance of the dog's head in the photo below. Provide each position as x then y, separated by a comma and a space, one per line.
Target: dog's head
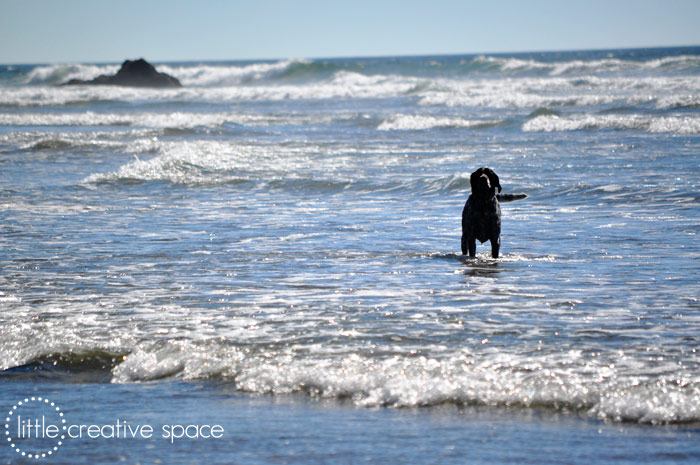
491, 176
482, 189
477, 183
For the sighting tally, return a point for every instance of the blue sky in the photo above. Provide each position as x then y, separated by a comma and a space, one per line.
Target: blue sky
53, 31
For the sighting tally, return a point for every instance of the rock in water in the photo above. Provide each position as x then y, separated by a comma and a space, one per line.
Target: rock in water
137, 73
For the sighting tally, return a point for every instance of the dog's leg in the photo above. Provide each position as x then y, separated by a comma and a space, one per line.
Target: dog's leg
468, 246
472, 247
495, 246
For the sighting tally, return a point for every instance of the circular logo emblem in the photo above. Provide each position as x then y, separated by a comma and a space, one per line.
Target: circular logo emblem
35, 427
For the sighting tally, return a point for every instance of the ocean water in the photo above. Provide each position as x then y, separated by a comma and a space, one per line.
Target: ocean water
274, 248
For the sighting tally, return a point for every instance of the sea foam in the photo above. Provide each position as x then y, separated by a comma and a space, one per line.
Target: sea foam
667, 124
419, 122
568, 381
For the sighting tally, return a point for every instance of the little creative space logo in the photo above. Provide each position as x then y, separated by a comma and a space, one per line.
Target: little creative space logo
36, 428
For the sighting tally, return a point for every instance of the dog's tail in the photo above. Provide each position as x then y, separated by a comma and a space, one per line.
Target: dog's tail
510, 197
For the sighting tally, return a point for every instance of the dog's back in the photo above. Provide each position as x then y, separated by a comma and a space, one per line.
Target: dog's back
481, 217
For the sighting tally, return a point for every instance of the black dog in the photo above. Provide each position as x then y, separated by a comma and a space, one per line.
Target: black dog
481, 217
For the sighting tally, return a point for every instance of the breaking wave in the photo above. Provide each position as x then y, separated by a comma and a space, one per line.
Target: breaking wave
566, 381
180, 120
227, 75
190, 75
58, 74
644, 123
517, 65
417, 122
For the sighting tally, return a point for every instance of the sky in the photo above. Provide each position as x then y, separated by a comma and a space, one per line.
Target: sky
67, 31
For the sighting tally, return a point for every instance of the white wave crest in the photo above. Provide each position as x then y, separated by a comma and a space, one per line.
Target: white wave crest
227, 74
58, 74
179, 163
680, 100
669, 124
534, 92
197, 75
417, 122
180, 120
515, 65
678, 125
204, 162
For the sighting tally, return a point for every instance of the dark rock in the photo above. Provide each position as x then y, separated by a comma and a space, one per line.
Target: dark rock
137, 73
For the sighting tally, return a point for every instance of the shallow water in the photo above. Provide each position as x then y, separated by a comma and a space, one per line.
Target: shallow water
293, 228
